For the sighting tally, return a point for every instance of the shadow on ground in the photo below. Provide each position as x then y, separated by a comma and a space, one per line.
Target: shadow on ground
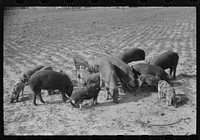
129, 97
183, 101
182, 76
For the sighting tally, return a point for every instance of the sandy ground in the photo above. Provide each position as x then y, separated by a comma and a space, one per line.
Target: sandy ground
51, 37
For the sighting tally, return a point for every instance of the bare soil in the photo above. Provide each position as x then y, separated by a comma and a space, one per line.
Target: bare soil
51, 37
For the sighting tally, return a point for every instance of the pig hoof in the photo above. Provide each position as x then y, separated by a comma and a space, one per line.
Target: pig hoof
96, 103
47, 102
43, 102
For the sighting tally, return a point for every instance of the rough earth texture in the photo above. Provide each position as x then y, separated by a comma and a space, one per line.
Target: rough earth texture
51, 37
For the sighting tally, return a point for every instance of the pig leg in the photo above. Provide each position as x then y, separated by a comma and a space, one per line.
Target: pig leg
34, 99
108, 93
120, 86
17, 98
140, 83
168, 101
23, 90
107, 97
174, 101
39, 93
171, 69
63, 96
159, 93
120, 89
101, 81
114, 94
94, 102
129, 88
124, 87
67, 96
174, 72
76, 72
14, 98
79, 77
50, 92
80, 104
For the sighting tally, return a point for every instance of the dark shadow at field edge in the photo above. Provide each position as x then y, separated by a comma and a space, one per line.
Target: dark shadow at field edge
182, 76
128, 97
24, 98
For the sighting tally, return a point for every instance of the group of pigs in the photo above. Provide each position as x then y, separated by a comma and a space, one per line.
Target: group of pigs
116, 74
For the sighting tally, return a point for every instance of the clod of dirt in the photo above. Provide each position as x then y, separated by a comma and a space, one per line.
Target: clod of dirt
162, 114
187, 120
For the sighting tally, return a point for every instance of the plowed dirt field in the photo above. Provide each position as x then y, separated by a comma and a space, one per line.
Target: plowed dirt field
51, 37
